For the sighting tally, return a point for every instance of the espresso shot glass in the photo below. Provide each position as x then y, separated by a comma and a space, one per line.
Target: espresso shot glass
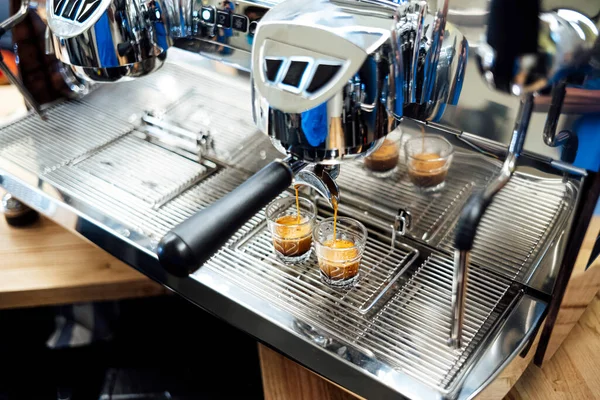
291, 234
428, 159
383, 162
340, 257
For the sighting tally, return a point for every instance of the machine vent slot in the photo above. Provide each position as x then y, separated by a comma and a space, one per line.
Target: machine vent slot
272, 67
58, 6
294, 73
71, 8
88, 8
323, 74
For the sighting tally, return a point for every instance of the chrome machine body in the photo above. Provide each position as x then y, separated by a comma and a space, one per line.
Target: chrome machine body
330, 77
105, 40
130, 164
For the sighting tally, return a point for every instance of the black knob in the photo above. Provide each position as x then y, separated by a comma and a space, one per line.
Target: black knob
252, 28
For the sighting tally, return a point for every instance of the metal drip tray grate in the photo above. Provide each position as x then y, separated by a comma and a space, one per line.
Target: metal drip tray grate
196, 110
380, 268
144, 170
138, 214
520, 225
72, 131
432, 215
408, 325
411, 331
198, 100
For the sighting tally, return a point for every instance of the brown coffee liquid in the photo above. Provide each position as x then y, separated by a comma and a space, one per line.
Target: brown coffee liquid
339, 259
335, 208
384, 158
297, 204
293, 236
427, 170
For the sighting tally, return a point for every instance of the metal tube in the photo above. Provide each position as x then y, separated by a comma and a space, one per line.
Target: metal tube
459, 295
14, 19
461, 257
558, 97
26, 94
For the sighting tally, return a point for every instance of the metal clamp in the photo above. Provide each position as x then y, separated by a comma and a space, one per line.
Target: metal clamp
402, 224
173, 134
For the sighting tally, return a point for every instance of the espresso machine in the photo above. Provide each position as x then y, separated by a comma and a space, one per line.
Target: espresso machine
161, 165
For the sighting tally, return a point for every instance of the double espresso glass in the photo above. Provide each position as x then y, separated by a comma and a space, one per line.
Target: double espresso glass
339, 249
427, 157
291, 225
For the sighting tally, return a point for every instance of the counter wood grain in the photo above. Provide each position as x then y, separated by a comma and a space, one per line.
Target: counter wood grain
45, 264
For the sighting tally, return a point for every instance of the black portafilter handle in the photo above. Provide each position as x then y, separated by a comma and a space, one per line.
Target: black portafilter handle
469, 219
190, 244
513, 29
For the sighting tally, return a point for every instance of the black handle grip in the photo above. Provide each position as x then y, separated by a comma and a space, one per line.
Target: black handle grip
469, 221
513, 29
187, 246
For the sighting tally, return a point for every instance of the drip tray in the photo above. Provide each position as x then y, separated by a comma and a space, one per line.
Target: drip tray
380, 269
144, 170
397, 313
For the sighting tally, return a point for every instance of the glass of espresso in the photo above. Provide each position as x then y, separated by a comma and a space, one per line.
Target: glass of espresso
340, 245
291, 221
428, 158
383, 162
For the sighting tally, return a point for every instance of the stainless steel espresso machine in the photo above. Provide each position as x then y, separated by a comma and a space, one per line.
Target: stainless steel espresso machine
161, 165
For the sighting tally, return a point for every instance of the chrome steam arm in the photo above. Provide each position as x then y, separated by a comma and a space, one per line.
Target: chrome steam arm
471, 216
507, 50
526, 51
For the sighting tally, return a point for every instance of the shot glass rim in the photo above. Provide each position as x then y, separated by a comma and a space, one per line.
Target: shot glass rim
301, 199
397, 154
444, 167
359, 246
432, 137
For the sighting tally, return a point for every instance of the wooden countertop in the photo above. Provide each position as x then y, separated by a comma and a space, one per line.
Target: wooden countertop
44, 264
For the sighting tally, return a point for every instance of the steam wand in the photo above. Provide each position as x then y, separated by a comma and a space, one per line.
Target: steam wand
471, 217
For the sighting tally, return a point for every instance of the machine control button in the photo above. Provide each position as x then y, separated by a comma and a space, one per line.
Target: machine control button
207, 14
240, 22
224, 19
252, 27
